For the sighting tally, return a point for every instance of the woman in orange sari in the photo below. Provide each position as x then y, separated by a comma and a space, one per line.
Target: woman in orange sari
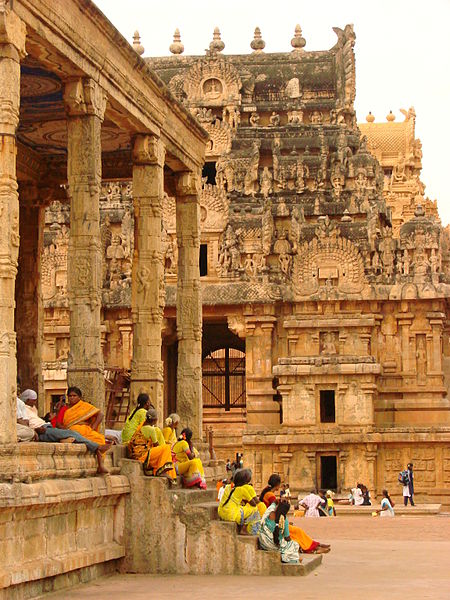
83, 417
306, 543
149, 447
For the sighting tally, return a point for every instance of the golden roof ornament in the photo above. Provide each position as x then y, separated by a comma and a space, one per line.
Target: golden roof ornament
370, 118
139, 48
298, 42
390, 117
257, 44
216, 45
176, 47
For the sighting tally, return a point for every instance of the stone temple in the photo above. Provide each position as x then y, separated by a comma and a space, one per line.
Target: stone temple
324, 273
220, 232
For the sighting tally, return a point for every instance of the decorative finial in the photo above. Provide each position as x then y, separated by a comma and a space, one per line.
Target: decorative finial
298, 42
216, 45
176, 47
257, 44
390, 117
139, 48
370, 118
419, 212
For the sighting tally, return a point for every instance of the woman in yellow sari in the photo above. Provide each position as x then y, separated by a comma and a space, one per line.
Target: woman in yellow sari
170, 429
149, 447
83, 417
136, 418
187, 463
239, 503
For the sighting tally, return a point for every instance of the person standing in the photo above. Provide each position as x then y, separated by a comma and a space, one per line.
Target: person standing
311, 504
408, 485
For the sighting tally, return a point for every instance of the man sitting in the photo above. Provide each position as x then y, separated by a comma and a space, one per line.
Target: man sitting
47, 433
24, 432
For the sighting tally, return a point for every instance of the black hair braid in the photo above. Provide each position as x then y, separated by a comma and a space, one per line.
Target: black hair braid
274, 480
142, 400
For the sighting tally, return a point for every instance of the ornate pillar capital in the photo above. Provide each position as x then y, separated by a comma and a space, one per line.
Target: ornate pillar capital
148, 150
84, 97
187, 183
12, 33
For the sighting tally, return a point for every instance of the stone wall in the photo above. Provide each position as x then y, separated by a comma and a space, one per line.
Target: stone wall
58, 525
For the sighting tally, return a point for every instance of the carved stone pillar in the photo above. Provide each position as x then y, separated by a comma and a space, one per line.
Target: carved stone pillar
312, 457
404, 322
29, 305
343, 456
262, 410
189, 304
371, 460
148, 291
12, 49
85, 105
126, 335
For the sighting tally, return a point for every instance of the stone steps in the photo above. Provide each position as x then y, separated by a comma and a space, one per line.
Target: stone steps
419, 510
182, 528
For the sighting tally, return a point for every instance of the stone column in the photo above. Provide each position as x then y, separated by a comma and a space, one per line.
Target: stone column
189, 304
85, 105
12, 50
312, 457
29, 307
148, 291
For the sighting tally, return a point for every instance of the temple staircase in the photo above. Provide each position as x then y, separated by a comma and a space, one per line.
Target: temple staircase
175, 530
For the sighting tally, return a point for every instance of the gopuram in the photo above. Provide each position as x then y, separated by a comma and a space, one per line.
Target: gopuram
324, 274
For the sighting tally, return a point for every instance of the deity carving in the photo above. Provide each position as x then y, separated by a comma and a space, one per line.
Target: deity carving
328, 342
295, 117
266, 182
316, 117
421, 360
254, 119
229, 259
387, 249
283, 248
231, 115
274, 119
297, 223
268, 227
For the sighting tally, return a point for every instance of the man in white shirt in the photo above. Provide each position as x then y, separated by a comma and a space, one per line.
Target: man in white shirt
24, 432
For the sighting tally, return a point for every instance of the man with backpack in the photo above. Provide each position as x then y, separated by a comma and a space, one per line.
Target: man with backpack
406, 478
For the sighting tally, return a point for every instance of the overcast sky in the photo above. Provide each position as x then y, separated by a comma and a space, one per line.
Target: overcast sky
402, 53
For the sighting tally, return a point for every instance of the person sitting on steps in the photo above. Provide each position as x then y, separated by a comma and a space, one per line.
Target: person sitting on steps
187, 461
239, 503
306, 543
148, 446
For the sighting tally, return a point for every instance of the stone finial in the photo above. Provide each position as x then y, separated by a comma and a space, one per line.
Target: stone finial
390, 117
137, 43
370, 118
298, 42
257, 44
216, 45
176, 47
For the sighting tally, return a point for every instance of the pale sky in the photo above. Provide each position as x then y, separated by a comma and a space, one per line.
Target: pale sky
402, 53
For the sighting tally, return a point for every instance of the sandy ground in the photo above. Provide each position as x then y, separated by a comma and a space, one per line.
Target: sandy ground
371, 558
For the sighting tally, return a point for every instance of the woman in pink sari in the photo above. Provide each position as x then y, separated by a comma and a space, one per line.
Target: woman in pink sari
311, 503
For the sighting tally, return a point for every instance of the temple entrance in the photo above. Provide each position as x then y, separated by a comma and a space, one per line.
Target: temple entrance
328, 472
223, 378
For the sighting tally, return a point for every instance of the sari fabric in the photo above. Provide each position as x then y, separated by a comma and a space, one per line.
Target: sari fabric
78, 418
132, 423
233, 509
190, 469
170, 436
287, 548
157, 460
306, 543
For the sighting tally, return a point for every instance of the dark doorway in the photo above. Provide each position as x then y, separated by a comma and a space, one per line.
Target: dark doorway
209, 171
327, 406
328, 472
203, 260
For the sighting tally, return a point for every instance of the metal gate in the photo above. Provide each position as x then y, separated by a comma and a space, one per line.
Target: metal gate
224, 379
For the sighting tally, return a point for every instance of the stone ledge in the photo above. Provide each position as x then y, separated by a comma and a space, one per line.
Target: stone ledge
49, 567
19, 495
32, 461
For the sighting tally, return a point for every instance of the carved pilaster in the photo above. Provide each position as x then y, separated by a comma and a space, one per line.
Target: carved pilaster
148, 291
189, 303
12, 50
29, 304
85, 104
312, 457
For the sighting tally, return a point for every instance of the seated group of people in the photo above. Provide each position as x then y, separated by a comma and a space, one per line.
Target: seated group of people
77, 421
161, 452
360, 495
266, 517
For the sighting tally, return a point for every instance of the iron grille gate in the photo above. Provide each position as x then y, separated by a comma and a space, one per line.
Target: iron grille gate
224, 379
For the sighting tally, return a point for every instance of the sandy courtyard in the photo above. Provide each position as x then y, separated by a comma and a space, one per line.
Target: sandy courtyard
404, 557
